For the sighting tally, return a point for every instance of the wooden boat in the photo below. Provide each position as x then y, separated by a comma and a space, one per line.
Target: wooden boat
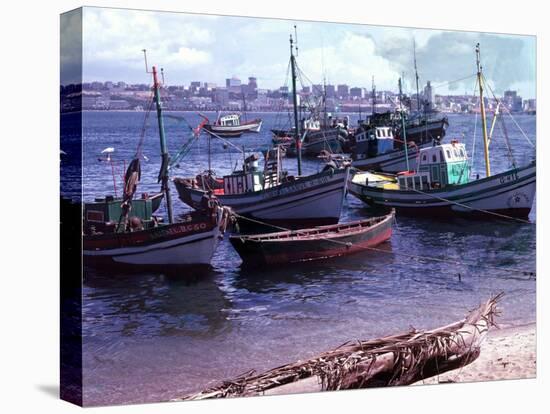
270, 195
443, 188
441, 184
125, 232
232, 126
401, 359
313, 243
191, 242
378, 142
378, 145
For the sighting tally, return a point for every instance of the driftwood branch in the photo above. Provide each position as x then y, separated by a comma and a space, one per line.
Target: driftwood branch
394, 360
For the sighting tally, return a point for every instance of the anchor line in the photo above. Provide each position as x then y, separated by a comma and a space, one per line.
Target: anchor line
473, 208
411, 256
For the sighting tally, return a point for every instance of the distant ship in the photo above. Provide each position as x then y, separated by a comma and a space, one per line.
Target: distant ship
378, 144
232, 126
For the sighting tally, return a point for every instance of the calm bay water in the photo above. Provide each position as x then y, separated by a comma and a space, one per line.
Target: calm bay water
150, 337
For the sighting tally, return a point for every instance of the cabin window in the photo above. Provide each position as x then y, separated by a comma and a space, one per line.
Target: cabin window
462, 153
434, 158
441, 156
456, 153
424, 158
449, 155
95, 216
378, 133
416, 182
409, 182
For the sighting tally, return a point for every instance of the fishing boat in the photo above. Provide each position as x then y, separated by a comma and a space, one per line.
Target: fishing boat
441, 184
378, 142
126, 233
313, 243
232, 126
270, 195
376, 148
316, 138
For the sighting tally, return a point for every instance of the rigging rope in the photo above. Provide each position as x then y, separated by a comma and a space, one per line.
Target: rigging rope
509, 113
139, 149
453, 81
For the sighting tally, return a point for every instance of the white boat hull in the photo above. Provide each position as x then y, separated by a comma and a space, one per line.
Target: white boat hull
197, 249
311, 200
509, 193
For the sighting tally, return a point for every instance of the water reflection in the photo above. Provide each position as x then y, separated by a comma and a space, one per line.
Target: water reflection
154, 305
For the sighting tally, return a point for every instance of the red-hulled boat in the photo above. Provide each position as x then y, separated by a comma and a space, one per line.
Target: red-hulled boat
314, 243
125, 232
190, 242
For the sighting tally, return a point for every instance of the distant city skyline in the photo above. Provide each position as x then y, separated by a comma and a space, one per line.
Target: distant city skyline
213, 48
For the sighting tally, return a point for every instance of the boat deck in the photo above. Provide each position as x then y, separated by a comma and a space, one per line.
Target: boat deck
323, 232
385, 181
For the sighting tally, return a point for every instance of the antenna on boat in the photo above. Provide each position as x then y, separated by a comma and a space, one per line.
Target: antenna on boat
403, 124
145, 56
162, 75
482, 109
373, 96
296, 37
416, 77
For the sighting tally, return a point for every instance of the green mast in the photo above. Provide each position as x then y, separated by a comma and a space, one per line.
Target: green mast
163, 177
403, 125
295, 104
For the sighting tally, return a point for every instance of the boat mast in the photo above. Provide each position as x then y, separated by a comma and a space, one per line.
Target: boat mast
295, 105
373, 96
404, 132
416, 77
482, 107
165, 157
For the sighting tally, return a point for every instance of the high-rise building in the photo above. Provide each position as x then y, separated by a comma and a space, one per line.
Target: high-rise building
252, 83
232, 82
330, 91
221, 96
428, 96
356, 92
342, 91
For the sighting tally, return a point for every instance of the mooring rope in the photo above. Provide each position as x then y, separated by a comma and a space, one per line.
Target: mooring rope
411, 256
473, 208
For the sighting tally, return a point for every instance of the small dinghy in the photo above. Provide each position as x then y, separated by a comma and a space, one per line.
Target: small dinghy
314, 243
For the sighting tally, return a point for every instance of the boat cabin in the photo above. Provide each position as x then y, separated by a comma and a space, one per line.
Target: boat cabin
439, 166
230, 120
249, 179
373, 141
310, 124
102, 215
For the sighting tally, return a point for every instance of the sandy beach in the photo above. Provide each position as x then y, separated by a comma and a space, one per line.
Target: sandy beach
507, 353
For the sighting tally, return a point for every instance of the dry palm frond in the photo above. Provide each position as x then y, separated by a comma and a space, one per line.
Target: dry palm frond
394, 360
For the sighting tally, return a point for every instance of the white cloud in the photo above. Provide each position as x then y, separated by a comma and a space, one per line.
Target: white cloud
353, 60
212, 48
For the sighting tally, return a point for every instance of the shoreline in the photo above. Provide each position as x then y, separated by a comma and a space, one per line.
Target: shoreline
507, 353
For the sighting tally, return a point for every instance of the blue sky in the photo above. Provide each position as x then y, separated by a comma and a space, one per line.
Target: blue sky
213, 48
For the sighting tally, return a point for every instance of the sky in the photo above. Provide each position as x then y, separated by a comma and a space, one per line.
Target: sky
193, 47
